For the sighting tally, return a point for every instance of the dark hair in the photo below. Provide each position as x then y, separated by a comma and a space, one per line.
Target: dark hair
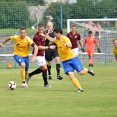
58, 30
73, 25
22, 29
90, 32
40, 25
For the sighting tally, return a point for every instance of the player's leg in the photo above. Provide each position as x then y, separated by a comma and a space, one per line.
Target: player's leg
48, 57
39, 60
68, 69
75, 51
21, 62
57, 60
44, 75
76, 63
90, 55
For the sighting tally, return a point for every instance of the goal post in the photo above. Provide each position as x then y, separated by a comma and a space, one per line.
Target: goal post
104, 35
86, 20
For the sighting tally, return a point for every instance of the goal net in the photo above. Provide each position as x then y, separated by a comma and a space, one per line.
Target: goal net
104, 30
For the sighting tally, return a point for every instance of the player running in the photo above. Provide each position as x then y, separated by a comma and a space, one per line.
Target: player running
22, 45
69, 60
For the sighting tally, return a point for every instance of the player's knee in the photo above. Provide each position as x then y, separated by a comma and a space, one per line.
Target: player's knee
23, 65
81, 72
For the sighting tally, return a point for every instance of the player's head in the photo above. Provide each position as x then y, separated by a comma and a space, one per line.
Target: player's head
58, 32
40, 28
38, 6
73, 28
49, 25
90, 33
23, 33
49, 11
115, 42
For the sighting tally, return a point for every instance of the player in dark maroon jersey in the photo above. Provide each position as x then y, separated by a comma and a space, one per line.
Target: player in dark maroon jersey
40, 58
74, 37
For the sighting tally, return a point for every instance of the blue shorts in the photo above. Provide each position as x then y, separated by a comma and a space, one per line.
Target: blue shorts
72, 64
20, 60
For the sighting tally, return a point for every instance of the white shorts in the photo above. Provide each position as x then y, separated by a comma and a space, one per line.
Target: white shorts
75, 51
40, 60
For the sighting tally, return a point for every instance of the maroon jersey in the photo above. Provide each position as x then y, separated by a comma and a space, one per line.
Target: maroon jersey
39, 40
74, 39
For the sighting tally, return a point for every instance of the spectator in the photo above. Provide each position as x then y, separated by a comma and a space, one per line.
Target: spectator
98, 30
48, 16
106, 24
36, 16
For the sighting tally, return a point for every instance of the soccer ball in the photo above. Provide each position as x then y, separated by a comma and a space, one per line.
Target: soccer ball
11, 85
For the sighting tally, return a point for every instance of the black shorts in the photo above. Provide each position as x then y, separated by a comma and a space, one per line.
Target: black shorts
50, 54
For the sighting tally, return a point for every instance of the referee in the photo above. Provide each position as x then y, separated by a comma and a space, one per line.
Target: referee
50, 53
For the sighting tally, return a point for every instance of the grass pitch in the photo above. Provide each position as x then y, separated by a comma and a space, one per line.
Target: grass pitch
99, 98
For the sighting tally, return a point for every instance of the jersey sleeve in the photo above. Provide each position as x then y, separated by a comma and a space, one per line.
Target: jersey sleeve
95, 40
30, 41
67, 40
114, 52
13, 38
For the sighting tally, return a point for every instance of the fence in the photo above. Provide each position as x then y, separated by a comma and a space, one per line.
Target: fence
17, 14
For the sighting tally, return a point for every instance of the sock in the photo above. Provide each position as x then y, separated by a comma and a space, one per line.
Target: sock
37, 71
76, 83
26, 75
91, 61
85, 69
22, 71
49, 70
44, 75
58, 69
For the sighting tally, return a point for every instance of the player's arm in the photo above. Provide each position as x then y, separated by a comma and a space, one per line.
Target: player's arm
47, 37
98, 49
46, 47
116, 57
7, 39
35, 52
80, 43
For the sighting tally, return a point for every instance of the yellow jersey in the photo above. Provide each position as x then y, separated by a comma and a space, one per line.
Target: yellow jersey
115, 50
21, 46
65, 53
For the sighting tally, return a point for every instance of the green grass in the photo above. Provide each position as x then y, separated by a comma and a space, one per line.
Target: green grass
99, 98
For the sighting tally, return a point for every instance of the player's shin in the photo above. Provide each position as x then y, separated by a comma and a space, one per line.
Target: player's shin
22, 71
76, 83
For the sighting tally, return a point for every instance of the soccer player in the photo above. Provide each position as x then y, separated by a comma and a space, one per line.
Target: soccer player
69, 60
40, 58
52, 53
90, 41
115, 48
75, 39
22, 45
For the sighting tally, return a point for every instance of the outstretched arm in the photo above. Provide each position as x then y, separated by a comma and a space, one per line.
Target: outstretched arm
47, 37
7, 39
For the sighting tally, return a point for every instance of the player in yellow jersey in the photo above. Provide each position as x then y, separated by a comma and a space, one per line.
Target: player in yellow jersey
69, 60
115, 48
22, 45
